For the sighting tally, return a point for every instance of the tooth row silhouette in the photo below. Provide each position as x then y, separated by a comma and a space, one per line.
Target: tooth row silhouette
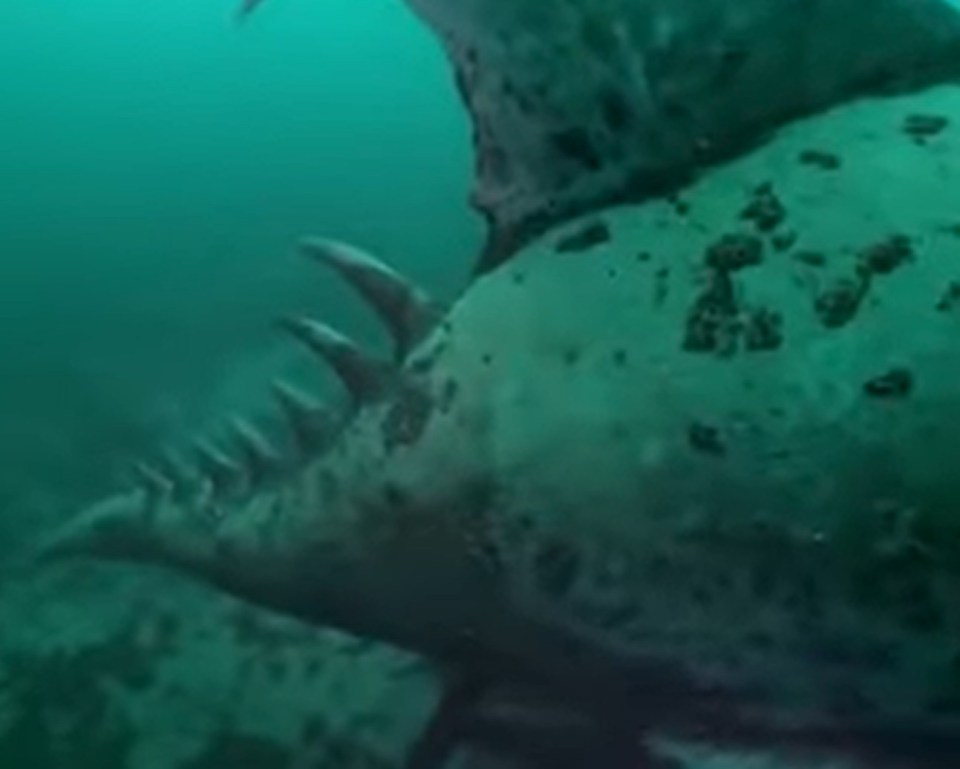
407, 312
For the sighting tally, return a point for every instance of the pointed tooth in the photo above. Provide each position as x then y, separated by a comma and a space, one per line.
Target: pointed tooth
181, 472
117, 527
364, 377
312, 423
153, 481
222, 471
406, 310
260, 456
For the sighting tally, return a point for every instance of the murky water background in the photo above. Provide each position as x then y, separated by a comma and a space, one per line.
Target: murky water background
158, 165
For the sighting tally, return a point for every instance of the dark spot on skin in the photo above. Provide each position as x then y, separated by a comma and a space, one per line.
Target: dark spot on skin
557, 567
811, 258
395, 496
486, 359
921, 127
620, 358
448, 395
896, 383
407, 419
784, 241
734, 252
838, 305
589, 236
575, 145
644, 256
681, 206
825, 161
764, 209
763, 331
526, 522
571, 357
706, 439
950, 297
712, 324
885, 257
519, 278
611, 273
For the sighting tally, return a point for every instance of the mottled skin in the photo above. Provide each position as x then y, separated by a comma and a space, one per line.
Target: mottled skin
707, 482
578, 104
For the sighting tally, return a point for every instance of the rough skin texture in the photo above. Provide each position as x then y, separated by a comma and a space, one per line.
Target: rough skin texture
692, 458
579, 103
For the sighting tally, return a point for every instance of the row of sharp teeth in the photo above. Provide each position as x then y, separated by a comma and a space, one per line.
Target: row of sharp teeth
406, 311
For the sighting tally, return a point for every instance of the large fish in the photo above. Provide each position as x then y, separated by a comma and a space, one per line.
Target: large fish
680, 469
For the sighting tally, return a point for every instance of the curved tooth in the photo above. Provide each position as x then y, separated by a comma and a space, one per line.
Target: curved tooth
222, 471
181, 471
407, 311
364, 377
261, 458
312, 423
153, 481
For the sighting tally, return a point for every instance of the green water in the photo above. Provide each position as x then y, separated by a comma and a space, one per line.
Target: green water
158, 164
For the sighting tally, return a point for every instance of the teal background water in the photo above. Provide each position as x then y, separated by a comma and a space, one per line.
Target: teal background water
157, 164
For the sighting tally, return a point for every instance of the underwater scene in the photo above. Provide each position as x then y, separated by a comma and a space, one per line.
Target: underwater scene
480, 384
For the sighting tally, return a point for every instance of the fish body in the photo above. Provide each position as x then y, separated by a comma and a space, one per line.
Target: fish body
690, 460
